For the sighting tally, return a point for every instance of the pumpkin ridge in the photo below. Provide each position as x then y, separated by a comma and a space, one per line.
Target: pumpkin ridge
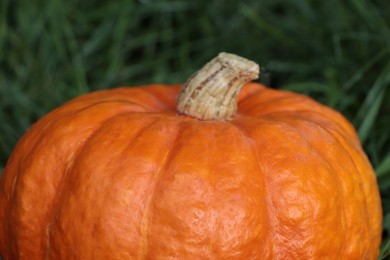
10, 228
269, 207
61, 196
143, 251
49, 120
325, 160
359, 175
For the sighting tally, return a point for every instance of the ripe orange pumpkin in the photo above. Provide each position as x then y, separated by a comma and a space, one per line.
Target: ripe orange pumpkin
120, 174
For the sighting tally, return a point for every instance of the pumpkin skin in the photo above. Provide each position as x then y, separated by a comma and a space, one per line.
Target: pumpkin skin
118, 174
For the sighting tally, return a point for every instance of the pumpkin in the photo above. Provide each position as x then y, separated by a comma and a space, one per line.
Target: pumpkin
222, 169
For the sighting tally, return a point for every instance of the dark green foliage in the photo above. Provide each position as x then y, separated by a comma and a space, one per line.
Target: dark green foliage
335, 51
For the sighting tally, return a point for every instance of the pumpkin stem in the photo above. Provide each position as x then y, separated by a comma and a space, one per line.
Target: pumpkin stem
212, 92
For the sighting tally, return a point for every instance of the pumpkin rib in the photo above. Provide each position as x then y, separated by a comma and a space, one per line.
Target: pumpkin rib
15, 184
60, 195
325, 160
63, 196
348, 155
330, 132
160, 245
37, 141
269, 207
277, 122
373, 225
342, 144
143, 252
16, 178
214, 237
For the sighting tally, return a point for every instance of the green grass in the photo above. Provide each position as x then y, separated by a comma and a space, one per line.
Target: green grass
335, 51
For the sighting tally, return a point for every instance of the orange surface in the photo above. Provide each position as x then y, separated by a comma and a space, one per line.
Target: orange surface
117, 174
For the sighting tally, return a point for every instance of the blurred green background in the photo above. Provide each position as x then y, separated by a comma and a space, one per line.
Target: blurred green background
336, 51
